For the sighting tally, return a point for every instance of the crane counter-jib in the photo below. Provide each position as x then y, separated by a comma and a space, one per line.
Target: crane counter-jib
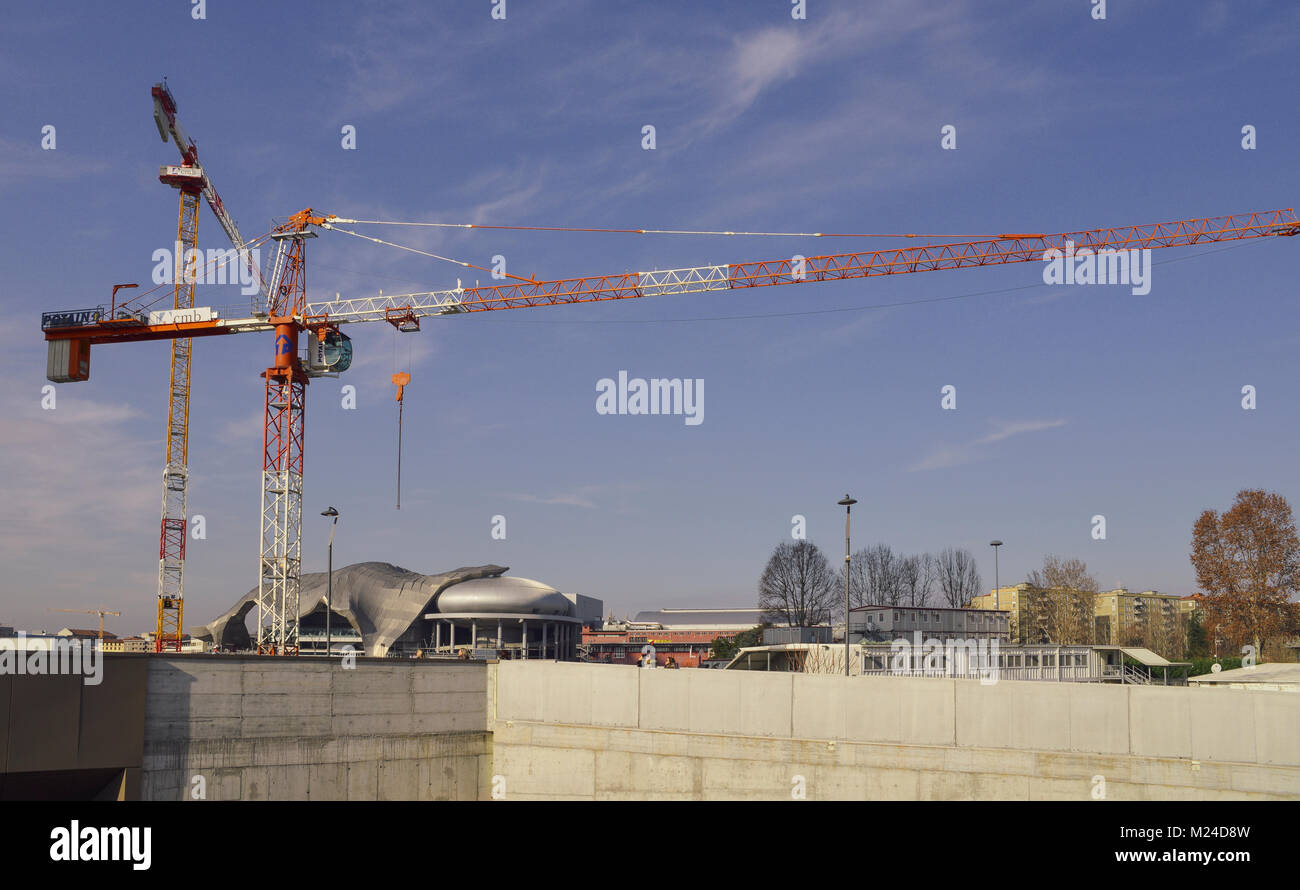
68, 358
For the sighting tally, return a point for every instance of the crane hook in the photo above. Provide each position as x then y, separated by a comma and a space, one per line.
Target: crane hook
401, 380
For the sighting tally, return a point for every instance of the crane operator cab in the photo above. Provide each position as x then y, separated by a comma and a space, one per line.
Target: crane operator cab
329, 356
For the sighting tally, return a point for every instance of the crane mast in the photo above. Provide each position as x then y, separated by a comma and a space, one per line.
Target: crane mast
174, 529
284, 413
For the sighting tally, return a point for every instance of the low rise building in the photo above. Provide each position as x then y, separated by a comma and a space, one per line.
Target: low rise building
684, 635
1274, 676
822, 633
92, 636
127, 644
971, 659
885, 623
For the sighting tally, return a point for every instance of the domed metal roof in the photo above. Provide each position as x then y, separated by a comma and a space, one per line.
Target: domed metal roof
490, 596
378, 599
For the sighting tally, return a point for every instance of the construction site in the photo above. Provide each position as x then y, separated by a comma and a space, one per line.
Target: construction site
440, 657
382, 729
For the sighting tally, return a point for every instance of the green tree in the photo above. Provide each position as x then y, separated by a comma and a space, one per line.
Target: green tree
727, 648
1198, 640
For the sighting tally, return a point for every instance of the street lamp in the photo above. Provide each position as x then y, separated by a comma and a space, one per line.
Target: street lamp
329, 583
847, 503
997, 583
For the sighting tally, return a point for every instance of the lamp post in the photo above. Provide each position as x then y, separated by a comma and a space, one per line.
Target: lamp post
847, 503
329, 583
997, 583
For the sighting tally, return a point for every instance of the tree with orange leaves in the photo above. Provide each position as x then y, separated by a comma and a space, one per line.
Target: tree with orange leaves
1247, 563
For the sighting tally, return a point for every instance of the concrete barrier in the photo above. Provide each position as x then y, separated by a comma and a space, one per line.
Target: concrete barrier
578, 731
247, 728
304, 729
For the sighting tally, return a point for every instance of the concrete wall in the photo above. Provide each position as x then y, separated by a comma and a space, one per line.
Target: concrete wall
289, 729
608, 731
301, 729
61, 739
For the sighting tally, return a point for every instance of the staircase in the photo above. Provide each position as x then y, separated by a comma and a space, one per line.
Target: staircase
1136, 675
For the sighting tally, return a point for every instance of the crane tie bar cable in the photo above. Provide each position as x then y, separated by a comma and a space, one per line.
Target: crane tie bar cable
384, 222
164, 286
334, 228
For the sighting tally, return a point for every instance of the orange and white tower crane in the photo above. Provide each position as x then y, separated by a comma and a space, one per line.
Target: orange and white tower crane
191, 180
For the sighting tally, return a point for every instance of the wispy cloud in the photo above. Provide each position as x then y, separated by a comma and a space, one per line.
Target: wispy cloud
245, 430
79, 479
976, 449
585, 496
25, 161
761, 59
577, 498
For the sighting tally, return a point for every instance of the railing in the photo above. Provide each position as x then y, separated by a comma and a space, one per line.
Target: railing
1136, 675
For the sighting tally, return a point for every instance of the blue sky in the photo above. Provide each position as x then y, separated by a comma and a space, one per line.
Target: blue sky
1071, 401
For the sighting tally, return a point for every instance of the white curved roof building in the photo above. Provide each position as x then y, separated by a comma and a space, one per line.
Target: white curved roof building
383, 609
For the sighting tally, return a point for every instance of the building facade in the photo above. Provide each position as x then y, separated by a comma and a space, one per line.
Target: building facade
1025, 607
127, 644
1128, 618
874, 624
1119, 617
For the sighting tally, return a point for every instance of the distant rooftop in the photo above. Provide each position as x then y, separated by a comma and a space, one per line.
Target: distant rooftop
1285, 674
692, 611
82, 632
721, 617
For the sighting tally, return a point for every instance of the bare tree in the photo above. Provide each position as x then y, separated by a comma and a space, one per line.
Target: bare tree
798, 586
1165, 633
875, 577
883, 574
859, 579
930, 577
916, 576
958, 578
1065, 601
